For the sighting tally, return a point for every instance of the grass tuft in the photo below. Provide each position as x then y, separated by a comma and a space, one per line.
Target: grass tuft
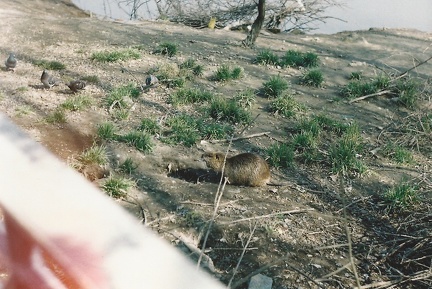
58, 116
50, 65
190, 95
280, 155
245, 98
267, 56
150, 126
312, 77
345, 151
402, 196
225, 73
117, 97
128, 166
183, 130
78, 102
228, 110
114, 56
294, 58
285, 105
141, 140
167, 48
275, 86
117, 186
106, 131
94, 155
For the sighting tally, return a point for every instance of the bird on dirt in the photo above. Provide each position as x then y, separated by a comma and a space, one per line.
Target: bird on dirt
76, 85
151, 80
48, 80
11, 62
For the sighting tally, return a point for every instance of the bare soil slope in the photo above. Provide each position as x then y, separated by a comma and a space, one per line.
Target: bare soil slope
306, 247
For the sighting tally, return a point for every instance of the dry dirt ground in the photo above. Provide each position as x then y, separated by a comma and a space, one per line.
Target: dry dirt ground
307, 249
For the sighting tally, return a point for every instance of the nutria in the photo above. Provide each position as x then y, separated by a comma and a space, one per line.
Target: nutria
246, 169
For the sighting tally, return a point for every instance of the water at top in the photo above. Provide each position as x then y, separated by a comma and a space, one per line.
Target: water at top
358, 14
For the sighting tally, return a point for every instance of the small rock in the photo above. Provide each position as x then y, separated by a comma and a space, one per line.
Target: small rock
260, 281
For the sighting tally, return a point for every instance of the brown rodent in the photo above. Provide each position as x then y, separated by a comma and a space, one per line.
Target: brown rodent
246, 169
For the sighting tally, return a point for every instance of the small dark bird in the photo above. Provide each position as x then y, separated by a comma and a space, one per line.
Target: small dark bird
151, 81
48, 80
76, 85
11, 62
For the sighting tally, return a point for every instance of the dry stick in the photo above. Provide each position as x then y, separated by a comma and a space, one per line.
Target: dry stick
217, 202
242, 254
352, 203
353, 266
207, 204
325, 277
265, 267
412, 68
369, 95
267, 216
219, 194
242, 137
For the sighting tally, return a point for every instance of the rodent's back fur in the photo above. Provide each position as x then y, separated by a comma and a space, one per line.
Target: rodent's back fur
244, 169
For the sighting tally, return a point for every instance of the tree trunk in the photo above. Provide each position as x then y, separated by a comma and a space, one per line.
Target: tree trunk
256, 26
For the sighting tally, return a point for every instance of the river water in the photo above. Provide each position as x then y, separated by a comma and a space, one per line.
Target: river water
357, 14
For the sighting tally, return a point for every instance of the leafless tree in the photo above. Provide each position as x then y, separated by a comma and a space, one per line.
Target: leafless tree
275, 15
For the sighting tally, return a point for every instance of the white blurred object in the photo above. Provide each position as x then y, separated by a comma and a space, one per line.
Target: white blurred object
59, 231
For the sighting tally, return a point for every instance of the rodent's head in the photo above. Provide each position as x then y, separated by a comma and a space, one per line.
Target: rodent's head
214, 160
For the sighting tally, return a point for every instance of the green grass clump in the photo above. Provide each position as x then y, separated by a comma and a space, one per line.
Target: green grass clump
359, 88
198, 70
150, 126
141, 140
402, 196
311, 126
50, 65
128, 166
113, 56
58, 116
94, 155
407, 91
313, 77
183, 130
106, 131
212, 130
228, 110
117, 186
117, 97
167, 48
398, 153
267, 57
356, 75
190, 95
167, 71
304, 140
225, 73
280, 155
294, 58
275, 86
344, 152
78, 102
285, 105
330, 124
188, 64
245, 98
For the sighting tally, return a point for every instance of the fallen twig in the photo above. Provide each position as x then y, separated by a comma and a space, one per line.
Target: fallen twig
241, 137
267, 216
369, 95
242, 254
412, 68
265, 267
